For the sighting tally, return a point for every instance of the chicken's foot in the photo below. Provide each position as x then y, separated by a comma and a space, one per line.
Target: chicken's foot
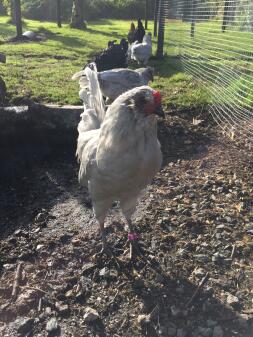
133, 239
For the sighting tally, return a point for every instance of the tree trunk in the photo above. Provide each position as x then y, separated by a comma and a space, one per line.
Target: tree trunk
155, 17
58, 12
12, 12
161, 18
146, 14
18, 18
77, 19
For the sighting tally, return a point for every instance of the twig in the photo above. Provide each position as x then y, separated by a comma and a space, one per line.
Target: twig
38, 289
233, 252
114, 298
40, 305
154, 312
200, 286
17, 280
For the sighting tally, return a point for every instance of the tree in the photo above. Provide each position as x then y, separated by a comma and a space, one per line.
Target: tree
58, 12
77, 18
18, 17
146, 14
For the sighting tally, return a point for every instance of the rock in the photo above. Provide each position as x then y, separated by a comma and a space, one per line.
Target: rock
199, 272
218, 332
105, 272
25, 325
143, 319
63, 309
39, 247
52, 325
90, 315
232, 300
41, 217
48, 311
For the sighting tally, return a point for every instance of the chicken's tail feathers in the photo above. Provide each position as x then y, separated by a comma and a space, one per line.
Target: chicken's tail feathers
95, 92
78, 75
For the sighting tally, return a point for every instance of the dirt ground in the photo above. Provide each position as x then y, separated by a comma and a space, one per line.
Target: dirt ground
194, 276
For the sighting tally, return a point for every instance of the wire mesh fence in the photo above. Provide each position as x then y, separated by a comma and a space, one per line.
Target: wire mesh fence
214, 41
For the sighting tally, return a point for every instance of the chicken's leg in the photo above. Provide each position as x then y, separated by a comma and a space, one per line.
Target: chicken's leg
133, 239
105, 249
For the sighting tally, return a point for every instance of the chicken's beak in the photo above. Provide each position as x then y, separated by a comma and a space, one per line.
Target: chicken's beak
159, 111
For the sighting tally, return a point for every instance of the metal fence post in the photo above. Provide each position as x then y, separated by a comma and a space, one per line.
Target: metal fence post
155, 17
161, 19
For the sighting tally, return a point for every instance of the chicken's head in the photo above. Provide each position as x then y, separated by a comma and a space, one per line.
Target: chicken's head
148, 102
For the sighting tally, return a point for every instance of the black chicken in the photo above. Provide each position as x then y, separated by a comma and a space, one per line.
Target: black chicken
139, 32
115, 56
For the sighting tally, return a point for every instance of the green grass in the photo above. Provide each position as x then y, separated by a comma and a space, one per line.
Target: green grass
42, 71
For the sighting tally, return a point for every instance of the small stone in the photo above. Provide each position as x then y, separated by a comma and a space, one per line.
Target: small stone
9, 266
90, 315
199, 272
88, 267
105, 272
70, 293
41, 217
52, 325
48, 311
218, 332
220, 228
143, 319
232, 300
62, 308
39, 247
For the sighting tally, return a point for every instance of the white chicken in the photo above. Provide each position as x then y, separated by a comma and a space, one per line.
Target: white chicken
141, 52
118, 160
117, 81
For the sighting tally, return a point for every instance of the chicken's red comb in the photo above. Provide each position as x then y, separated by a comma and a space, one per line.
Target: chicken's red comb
157, 96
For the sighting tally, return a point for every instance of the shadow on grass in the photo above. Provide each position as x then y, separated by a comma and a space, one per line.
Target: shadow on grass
8, 30
167, 66
75, 41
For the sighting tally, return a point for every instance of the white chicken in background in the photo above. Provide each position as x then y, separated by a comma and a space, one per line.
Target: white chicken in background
141, 52
118, 160
115, 82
